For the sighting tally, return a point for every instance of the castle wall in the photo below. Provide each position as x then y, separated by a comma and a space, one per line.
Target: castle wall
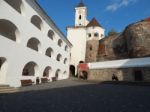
123, 74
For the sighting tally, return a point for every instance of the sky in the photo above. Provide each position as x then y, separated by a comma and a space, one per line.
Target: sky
111, 14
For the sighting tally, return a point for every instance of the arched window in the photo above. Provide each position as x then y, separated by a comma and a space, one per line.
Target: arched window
59, 57
65, 60
47, 71
96, 35
16, 4
49, 52
80, 17
3, 70
66, 48
9, 30
90, 48
30, 69
60, 42
34, 44
36, 20
57, 74
51, 34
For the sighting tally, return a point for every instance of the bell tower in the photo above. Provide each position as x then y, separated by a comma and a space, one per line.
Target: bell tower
81, 14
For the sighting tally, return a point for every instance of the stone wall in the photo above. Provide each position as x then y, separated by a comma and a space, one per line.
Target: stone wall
91, 50
124, 74
138, 39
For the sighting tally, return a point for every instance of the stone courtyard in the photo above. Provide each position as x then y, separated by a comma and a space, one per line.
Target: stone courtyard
75, 95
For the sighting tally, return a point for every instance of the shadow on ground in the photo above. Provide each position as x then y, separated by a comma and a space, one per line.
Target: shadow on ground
81, 98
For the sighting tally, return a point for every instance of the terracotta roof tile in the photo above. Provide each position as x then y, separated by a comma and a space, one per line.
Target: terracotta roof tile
147, 19
94, 22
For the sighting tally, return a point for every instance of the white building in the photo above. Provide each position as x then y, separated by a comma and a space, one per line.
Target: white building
31, 45
83, 31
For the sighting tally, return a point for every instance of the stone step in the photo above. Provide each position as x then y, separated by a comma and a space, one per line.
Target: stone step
3, 85
7, 89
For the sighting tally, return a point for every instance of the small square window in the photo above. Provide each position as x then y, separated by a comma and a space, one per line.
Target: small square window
89, 35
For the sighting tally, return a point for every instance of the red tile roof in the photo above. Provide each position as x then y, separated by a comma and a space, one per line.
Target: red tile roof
147, 19
94, 22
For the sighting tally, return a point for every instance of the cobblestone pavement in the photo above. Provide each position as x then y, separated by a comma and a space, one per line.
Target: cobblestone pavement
76, 96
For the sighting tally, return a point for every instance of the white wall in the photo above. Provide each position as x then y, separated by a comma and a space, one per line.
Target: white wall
77, 36
18, 54
93, 30
125, 63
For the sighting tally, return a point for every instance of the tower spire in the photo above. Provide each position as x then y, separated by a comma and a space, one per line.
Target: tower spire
81, 4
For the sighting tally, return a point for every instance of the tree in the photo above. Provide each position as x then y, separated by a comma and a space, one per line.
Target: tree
112, 32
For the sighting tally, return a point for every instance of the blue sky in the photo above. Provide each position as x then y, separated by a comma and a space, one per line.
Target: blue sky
116, 14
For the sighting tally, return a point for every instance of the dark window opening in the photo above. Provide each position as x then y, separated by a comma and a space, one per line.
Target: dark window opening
80, 17
89, 35
96, 35
138, 75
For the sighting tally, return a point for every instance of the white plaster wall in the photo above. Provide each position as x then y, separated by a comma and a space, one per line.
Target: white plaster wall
77, 36
125, 63
93, 30
83, 12
17, 54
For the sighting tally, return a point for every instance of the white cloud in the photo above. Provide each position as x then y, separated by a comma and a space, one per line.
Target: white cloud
119, 3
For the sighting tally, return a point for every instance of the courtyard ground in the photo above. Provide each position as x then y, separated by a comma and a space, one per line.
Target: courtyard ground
74, 95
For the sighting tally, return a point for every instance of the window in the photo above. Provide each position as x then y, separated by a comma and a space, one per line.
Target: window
60, 42
51, 34
47, 71
89, 35
59, 57
9, 30
36, 20
80, 17
65, 60
96, 35
30, 69
34, 44
16, 4
49, 52
91, 48
66, 48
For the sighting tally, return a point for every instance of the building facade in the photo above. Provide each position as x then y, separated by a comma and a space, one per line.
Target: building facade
81, 34
31, 45
126, 55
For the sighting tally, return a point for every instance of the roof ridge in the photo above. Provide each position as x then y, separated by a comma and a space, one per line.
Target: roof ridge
94, 22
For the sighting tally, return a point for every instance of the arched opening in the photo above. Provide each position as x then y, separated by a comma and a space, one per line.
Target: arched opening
60, 42
80, 17
57, 74
81, 62
9, 30
96, 35
49, 52
36, 20
51, 34
47, 71
3, 70
66, 48
59, 57
138, 76
72, 70
16, 4
65, 60
30, 69
34, 44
